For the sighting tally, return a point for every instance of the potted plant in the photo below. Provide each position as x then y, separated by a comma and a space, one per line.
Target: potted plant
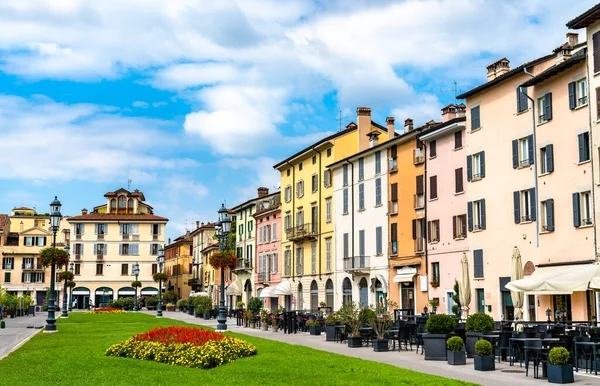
330, 323
204, 306
456, 351
250, 318
434, 283
381, 323
438, 328
240, 305
349, 316
182, 305
366, 316
274, 322
484, 360
264, 320
170, 307
314, 327
151, 302
476, 325
255, 305
559, 369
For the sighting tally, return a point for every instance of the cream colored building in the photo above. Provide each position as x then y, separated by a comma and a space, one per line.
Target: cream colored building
108, 241
178, 265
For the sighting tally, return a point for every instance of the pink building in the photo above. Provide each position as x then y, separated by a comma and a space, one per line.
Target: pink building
268, 247
446, 208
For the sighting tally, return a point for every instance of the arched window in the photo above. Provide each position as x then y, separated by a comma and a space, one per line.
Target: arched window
300, 298
329, 293
113, 204
363, 293
122, 202
346, 292
130, 204
314, 296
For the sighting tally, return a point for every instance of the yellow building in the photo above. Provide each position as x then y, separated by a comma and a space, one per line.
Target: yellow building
202, 237
178, 265
307, 208
107, 242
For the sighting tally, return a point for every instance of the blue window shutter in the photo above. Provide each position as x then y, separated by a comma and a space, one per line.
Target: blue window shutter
517, 206
482, 209
475, 121
515, 153
378, 241
581, 143
470, 215
530, 148
482, 163
522, 102
95, 249
96, 229
469, 168
548, 100
572, 96
576, 211
550, 158
550, 215
532, 204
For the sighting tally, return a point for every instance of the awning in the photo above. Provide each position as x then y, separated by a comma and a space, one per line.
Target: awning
81, 291
104, 291
233, 289
149, 291
404, 274
267, 292
559, 280
126, 291
282, 289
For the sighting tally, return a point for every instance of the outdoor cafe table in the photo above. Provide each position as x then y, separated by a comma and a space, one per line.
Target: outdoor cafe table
594, 345
523, 340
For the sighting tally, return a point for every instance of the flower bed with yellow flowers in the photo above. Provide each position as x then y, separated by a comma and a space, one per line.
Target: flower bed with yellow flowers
107, 310
183, 346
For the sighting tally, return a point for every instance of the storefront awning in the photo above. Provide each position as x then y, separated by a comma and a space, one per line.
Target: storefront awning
404, 274
559, 280
233, 289
267, 292
149, 291
104, 291
282, 289
81, 291
126, 291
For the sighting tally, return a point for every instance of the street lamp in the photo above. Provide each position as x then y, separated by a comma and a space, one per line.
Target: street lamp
161, 261
55, 217
136, 272
548, 313
65, 314
223, 229
72, 270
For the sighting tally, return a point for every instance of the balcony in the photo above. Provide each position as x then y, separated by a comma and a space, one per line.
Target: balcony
393, 207
100, 236
301, 232
99, 256
155, 236
78, 256
357, 264
419, 201
419, 245
418, 157
243, 265
31, 267
125, 236
77, 236
393, 165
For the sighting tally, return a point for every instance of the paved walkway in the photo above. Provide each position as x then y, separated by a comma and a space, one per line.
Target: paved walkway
17, 331
504, 374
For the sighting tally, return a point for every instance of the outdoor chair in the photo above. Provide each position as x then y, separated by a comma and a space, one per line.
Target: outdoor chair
585, 353
503, 344
533, 349
516, 350
404, 337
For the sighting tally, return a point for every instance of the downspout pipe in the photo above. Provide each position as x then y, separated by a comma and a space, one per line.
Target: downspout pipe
535, 162
319, 208
425, 206
292, 223
352, 206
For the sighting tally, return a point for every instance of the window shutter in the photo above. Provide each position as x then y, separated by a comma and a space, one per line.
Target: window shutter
517, 206
345, 201
458, 139
470, 215
469, 168
120, 249
433, 187
345, 244
482, 209
572, 96
597, 95
377, 162
464, 224
393, 152
361, 196
96, 229
478, 263
515, 153
475, 118
395, 192
454, 227
522, 99
550, 215
576, 211
432, 149
361, 242
378, 241
419, 180
105, 250
596, 47
394, 232
95, 249
274, 231
82, 248
530, 149
550, 158
548, 100
414, 229
428, 231
45, 238
482, 163
421, 222
458, 180
532, 204
581, 143
378, 191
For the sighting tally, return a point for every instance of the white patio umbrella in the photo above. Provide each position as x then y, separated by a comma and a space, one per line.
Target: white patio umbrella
464, 288
517, 274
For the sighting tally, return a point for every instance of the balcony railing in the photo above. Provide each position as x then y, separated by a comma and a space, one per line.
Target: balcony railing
419, 245
586, 221
393, 207
525, 162
301, 232
155, 236
357, 263
29, 266
125, 236
100, 256
78, 256
526, 218
419, 201
77, 236
100, 236
418, 156
244, 265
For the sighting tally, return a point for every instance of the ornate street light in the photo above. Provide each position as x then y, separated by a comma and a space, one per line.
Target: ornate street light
72, 270
55, 217
548, 313
65, 314
223, 229
136, 272
161, 261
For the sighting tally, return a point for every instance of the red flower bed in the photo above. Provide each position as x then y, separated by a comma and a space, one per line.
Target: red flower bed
168, 335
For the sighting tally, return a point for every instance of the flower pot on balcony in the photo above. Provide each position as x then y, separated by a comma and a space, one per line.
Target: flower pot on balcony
380, 345
354, 341
560, 373
485, 363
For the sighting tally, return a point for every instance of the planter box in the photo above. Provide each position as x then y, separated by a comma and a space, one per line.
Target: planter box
315, 330
456, 357
330, 332
472, 338
171, 308
190, 310
354, 341
487, 363
434, 346
206, 316
560, 373
380, 345
264, 326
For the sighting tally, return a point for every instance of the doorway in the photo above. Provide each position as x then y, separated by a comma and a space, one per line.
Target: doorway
563, 303
480, 296
407, 295
363, 293
314, 296
531, 305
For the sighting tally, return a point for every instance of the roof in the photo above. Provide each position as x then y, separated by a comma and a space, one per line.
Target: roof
3, 220
23, 208
586, 18
505, 76
243, 204
556, 69
135, 193
117, 217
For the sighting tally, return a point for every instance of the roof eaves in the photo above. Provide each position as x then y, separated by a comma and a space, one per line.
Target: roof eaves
586, 18
555, 70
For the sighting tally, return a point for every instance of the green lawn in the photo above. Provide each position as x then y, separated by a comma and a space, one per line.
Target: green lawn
75, 356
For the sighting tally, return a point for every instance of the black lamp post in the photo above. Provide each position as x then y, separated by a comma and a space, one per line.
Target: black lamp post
136, 272
425, 311
161, 261
548, 313
55, 217
223, 229
72, 270
65, 314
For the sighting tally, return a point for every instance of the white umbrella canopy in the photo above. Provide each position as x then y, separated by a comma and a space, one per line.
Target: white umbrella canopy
464, 292
559, 280
517, 274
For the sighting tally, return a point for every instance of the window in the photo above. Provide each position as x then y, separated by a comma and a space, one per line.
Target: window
547, 159
379, 241
327, 178
361, 196
288, 172
300, 166
287, 262
435, 273
458, 140
418, 234
378, 191
300, 188
79, 229
578, 94
329, 152
122, 202
433, 194
419, 200
300, 217
100, 249
361, 245
124, 269
8, 263
241, 230
299, 260
250, 226
598, 98
274, 231
99, 269
313, 257
113, 204
315, 183
394, 199
478, 264
155, 229
77, 268
476, 166
433, 149
458, 180
582, 209
78, 249
345, 174
287, 221
260, 235
249, 253
596, 50
101, 229
29, 241
287, 196
476, 215
377, 162
545, 108
275, 263
522, 101
40, 241
418, 154
524, 205
433, 231
7, 277
346, 249
345, 204
154, 268
314, 159
393, 162
583, 141
547, 215
394, 238
328, 209
522, 152
475, 122
459, 226
328, 254
361, 169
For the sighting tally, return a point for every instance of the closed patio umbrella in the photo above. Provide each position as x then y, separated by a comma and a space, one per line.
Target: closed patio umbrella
517, 274
464, 294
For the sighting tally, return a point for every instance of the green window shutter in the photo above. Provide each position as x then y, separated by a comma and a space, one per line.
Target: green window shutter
517, 206
550, 215
576, 211
572, 96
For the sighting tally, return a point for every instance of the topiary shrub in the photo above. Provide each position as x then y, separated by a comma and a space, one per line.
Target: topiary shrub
483, 348
455, 343
559, 356
366, 316
255, 304
479, 323
440, 324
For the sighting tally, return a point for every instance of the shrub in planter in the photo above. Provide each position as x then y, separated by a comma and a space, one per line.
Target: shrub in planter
264, 319
151, 302
182, 304
203, 306
330, 322
476, 325
348, 315
456, 351
255, 305
484, 360
366, 316
314, 327
381, 323
438, 327
559, 369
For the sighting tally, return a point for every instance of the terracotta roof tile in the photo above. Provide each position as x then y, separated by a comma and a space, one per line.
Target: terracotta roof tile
23, 208
115, 217
3, 220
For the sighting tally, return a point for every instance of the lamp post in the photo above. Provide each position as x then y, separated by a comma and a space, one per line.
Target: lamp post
548, 313
161, 261
136, 272
223, 229
55, 217
65, 314
72, 270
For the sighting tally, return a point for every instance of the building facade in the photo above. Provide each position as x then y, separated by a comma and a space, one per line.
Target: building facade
178, 265
202, 237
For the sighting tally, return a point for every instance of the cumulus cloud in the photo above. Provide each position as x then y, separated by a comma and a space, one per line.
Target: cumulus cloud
140, 104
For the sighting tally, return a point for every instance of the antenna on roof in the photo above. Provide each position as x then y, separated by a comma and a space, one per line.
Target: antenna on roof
129, 184
340, 119
455, 89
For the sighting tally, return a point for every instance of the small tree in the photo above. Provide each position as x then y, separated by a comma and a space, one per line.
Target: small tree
348, 315
255, 305
456, 299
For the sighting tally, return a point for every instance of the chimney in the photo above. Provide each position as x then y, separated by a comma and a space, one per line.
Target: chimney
169, 243
364, 127
565, 51
390, 127
197, 224
572, 38
262, 192
498, 68
408, 125
461, 110
84, 211
448, 113
373, 138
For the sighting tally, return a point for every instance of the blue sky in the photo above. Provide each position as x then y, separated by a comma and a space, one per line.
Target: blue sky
194, 101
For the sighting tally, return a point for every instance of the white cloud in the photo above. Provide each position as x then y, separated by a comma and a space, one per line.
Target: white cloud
182, 76
424, 108
159, 104
140, 104
261, 174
